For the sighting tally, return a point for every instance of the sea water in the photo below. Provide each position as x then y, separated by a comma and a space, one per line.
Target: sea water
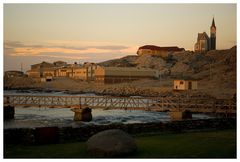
26, 117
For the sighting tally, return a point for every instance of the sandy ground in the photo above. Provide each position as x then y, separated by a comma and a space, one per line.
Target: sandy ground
143, 87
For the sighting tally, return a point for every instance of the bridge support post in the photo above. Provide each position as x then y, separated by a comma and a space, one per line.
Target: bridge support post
9, 112
84, 114
180, 115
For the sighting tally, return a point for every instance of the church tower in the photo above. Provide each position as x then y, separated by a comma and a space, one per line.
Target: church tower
213, 36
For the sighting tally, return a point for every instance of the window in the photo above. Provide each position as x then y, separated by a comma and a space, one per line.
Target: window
181, 82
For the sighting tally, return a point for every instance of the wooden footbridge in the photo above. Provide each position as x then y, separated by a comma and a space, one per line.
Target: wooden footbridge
192, 104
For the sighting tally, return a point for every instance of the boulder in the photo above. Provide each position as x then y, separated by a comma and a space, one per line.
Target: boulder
111, 143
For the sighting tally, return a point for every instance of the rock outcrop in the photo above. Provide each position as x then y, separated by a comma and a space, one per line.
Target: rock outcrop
111, 143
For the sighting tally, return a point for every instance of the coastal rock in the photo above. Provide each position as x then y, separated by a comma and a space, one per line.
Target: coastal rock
111, 143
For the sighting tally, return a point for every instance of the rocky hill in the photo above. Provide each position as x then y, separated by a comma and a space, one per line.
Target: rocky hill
215, 70
183, 64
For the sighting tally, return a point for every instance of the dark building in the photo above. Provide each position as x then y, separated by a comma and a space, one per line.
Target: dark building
205, 43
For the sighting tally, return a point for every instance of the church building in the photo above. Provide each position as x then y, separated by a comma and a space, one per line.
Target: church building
204, 43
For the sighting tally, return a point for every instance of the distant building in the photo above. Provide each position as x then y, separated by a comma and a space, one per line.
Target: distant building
159, 51
42, 72
123, 74
80, 73
73, 72
204, 43
42, 65
15, 73
39, 70
64, 72
49, 72
33, 73
45, 70
185, 84
90, 67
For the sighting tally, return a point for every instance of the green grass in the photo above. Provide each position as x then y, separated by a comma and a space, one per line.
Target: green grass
220, 144
217, 144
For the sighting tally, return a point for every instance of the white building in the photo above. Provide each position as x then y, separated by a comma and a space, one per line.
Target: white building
185, 85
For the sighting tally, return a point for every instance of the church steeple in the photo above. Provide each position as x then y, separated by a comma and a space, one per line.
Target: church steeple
213, 35
213, 23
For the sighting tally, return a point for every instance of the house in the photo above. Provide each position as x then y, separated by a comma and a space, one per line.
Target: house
49, 72
64, 72
80, 73
33, 73
91, 67
123, 74
159, 51
42, 65
43, 72
185, 84
10, 74
204, 43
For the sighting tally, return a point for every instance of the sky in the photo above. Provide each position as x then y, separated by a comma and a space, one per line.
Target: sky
98, 32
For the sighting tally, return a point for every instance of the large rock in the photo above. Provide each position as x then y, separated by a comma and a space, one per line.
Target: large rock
179, 68
111, 143
150, 61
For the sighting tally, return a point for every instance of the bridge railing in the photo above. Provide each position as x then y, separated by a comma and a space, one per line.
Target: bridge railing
193, 104
68, 101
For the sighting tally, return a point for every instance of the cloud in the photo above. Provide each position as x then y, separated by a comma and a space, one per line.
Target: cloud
130, 50
16, 53
12, 44
21, 49
110, 47
15, 44
64, 57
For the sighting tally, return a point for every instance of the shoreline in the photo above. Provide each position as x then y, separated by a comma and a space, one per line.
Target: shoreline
109, 92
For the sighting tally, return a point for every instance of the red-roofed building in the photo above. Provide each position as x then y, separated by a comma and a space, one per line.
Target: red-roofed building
156, 50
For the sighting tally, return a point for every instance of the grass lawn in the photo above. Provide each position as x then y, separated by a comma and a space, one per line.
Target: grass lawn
215, 144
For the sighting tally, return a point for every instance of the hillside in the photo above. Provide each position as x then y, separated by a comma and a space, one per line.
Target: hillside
215, 72
184, 64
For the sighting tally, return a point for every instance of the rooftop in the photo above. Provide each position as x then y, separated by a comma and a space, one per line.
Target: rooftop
169, 48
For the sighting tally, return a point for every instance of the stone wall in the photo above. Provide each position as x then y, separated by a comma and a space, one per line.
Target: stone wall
46, 135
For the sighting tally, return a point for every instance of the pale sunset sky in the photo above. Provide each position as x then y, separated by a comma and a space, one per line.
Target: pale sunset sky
97, 32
